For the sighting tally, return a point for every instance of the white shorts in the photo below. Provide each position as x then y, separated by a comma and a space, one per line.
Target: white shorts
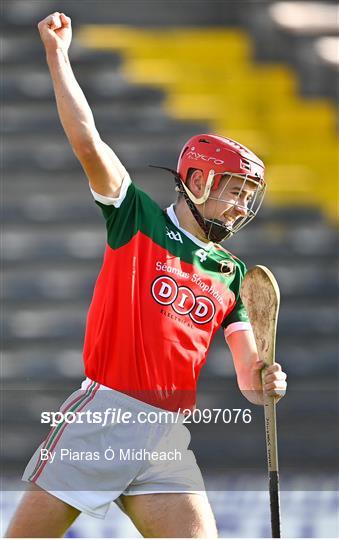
138, 449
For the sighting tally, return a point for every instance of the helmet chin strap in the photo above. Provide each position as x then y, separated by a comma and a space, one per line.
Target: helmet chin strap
217, 231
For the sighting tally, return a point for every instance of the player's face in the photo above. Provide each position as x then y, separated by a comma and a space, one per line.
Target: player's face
230, 201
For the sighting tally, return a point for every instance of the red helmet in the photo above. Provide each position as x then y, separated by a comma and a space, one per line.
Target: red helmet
213, 154
219, 157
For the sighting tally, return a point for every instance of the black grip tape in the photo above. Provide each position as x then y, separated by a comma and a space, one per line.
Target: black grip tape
274, 503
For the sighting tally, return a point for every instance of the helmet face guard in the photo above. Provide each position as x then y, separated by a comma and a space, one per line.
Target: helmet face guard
217, 230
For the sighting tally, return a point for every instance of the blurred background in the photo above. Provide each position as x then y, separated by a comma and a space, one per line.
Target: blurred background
155, 73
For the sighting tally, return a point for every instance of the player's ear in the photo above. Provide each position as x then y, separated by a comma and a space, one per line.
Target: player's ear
195, 183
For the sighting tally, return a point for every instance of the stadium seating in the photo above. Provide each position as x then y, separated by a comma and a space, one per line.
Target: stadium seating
259, 105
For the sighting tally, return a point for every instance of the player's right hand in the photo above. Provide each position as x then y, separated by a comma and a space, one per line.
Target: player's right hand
56, 32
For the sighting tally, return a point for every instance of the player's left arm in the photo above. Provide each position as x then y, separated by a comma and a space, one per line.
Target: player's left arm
248, 368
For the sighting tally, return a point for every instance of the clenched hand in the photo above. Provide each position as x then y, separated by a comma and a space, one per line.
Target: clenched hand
273, 379
56, 32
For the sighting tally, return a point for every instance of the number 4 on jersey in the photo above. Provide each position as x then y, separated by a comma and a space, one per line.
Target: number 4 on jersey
202, 255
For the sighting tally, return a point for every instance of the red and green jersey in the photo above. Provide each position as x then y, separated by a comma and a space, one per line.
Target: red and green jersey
160, 297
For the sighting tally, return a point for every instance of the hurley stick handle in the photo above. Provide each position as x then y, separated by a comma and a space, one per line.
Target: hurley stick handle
272, 463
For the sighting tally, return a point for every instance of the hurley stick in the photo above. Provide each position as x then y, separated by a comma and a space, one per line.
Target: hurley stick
261, 298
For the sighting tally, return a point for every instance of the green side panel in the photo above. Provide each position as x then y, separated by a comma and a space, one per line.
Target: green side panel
124, 222
238, 313
138, 212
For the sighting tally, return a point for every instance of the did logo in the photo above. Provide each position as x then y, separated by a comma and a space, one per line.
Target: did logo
182, 299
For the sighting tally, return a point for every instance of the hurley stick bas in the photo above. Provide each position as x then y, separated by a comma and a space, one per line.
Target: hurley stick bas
261, 298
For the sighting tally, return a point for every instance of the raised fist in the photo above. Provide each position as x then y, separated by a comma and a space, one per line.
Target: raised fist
56, 31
